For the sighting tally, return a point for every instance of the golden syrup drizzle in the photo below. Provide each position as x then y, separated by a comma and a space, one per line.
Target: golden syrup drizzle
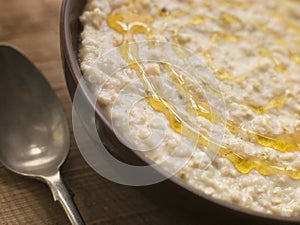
276, 143
279, 66
175, 120
192, 21
197, 20
193, 107
264, 167
204, 110
227, 18
295, 58
276, 102
130, 20
290, 25
266, 53
228, 76
287, 22
243, 163
177, 123
210, 61
279, 101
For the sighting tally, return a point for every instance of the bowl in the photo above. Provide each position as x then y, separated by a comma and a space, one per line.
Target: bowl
70, 29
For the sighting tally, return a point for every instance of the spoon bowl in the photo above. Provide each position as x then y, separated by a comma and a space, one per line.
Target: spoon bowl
34, 134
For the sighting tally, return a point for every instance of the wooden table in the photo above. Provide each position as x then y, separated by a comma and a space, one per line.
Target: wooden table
32, 26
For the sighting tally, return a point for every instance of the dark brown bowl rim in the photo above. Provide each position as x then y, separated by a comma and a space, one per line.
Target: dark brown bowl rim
73, 65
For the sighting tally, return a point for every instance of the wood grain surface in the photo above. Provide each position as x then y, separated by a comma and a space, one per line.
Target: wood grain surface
32, 26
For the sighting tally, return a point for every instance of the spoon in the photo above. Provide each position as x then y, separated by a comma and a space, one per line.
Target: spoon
34, 134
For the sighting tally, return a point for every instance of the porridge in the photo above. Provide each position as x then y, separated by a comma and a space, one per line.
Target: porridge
210, 88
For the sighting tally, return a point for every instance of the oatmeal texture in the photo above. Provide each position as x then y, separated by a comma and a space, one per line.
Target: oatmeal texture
230, 123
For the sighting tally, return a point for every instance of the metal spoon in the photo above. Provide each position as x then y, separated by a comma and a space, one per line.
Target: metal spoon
34, 135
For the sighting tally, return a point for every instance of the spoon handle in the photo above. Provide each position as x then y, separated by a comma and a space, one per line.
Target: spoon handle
60, 193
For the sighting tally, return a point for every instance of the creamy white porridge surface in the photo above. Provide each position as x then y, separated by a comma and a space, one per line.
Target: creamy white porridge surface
231, 117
